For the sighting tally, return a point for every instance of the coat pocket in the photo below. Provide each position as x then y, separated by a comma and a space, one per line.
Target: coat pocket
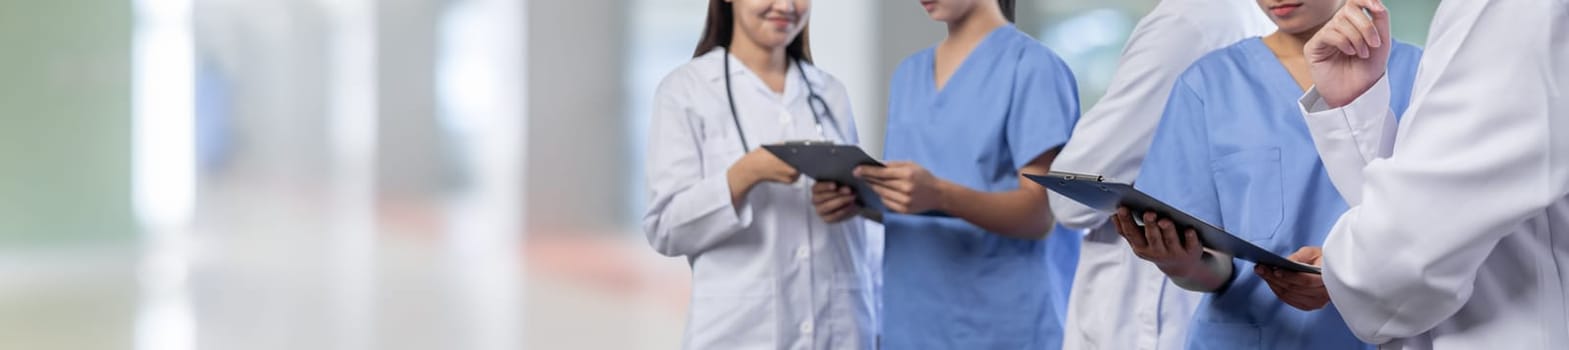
731, 322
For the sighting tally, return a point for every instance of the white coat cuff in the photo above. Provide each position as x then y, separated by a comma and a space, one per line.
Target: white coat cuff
734, 219
1373, 103
1366, 124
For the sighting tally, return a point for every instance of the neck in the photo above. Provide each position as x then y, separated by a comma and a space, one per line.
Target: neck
976, 25
1290, 44
757, 58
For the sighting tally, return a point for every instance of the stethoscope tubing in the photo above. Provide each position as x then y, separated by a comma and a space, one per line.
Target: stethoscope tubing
811, 97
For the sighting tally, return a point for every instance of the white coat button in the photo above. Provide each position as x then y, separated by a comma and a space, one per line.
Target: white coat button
784, 118
806, 327
800, 253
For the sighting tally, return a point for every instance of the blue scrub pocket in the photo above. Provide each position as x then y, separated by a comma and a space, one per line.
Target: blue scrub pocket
1249, 188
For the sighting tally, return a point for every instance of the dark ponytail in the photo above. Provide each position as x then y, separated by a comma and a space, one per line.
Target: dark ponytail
720, 28
1007, 9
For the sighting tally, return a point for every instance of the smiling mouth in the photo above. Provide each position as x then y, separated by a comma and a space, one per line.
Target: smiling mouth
1283, 10
781, 21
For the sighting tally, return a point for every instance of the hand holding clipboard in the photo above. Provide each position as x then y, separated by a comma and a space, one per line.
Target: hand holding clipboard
828, 162
1092, 191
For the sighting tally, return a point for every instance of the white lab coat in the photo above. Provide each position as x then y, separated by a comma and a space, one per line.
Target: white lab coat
1118, 301
1458, 235
770, 274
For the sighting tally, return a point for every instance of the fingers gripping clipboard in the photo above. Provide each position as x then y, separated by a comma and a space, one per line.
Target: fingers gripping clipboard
1094, 192
825, 161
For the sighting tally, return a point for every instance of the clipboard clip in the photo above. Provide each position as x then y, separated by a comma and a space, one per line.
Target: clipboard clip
1076, 176
807, 143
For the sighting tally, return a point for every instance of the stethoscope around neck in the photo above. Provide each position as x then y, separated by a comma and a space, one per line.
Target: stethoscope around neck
813, 101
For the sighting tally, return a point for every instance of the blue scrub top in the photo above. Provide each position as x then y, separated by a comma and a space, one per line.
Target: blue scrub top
949, 284
1232, 149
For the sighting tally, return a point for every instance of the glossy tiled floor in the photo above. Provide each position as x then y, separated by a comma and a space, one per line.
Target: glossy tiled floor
245, 292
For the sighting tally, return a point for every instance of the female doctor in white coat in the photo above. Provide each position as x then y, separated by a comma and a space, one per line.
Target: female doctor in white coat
768, 270
1458, 232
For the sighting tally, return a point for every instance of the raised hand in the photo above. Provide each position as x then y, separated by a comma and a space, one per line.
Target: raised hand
1350, 53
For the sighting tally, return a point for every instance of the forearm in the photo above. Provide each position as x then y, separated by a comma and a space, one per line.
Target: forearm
739, 185
1350, 137
1022, 213
690, 220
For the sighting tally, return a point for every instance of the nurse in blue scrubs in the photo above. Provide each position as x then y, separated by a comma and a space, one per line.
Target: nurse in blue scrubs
966, 117
1233, 149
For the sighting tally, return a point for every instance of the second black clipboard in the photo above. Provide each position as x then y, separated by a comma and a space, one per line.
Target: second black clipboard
1093, 192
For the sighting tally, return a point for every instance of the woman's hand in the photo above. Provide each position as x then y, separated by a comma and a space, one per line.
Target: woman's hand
756, 167
1303, 291
905, 187
1159, 243
1349, 54
834, 202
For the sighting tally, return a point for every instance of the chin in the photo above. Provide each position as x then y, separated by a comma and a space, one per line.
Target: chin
772, 38
779, 41
1295, 30
939, 15
1287, 28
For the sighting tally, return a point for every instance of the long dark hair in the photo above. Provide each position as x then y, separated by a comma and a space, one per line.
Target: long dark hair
1007, 9
720, 28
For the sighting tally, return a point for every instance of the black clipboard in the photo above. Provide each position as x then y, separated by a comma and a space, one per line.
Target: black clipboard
1095, 192
825, 161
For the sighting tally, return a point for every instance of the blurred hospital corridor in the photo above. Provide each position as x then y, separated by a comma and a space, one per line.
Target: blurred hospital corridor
383, 174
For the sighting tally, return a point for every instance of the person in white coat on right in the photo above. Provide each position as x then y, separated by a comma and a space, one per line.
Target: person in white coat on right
1118, 301
1458, 234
